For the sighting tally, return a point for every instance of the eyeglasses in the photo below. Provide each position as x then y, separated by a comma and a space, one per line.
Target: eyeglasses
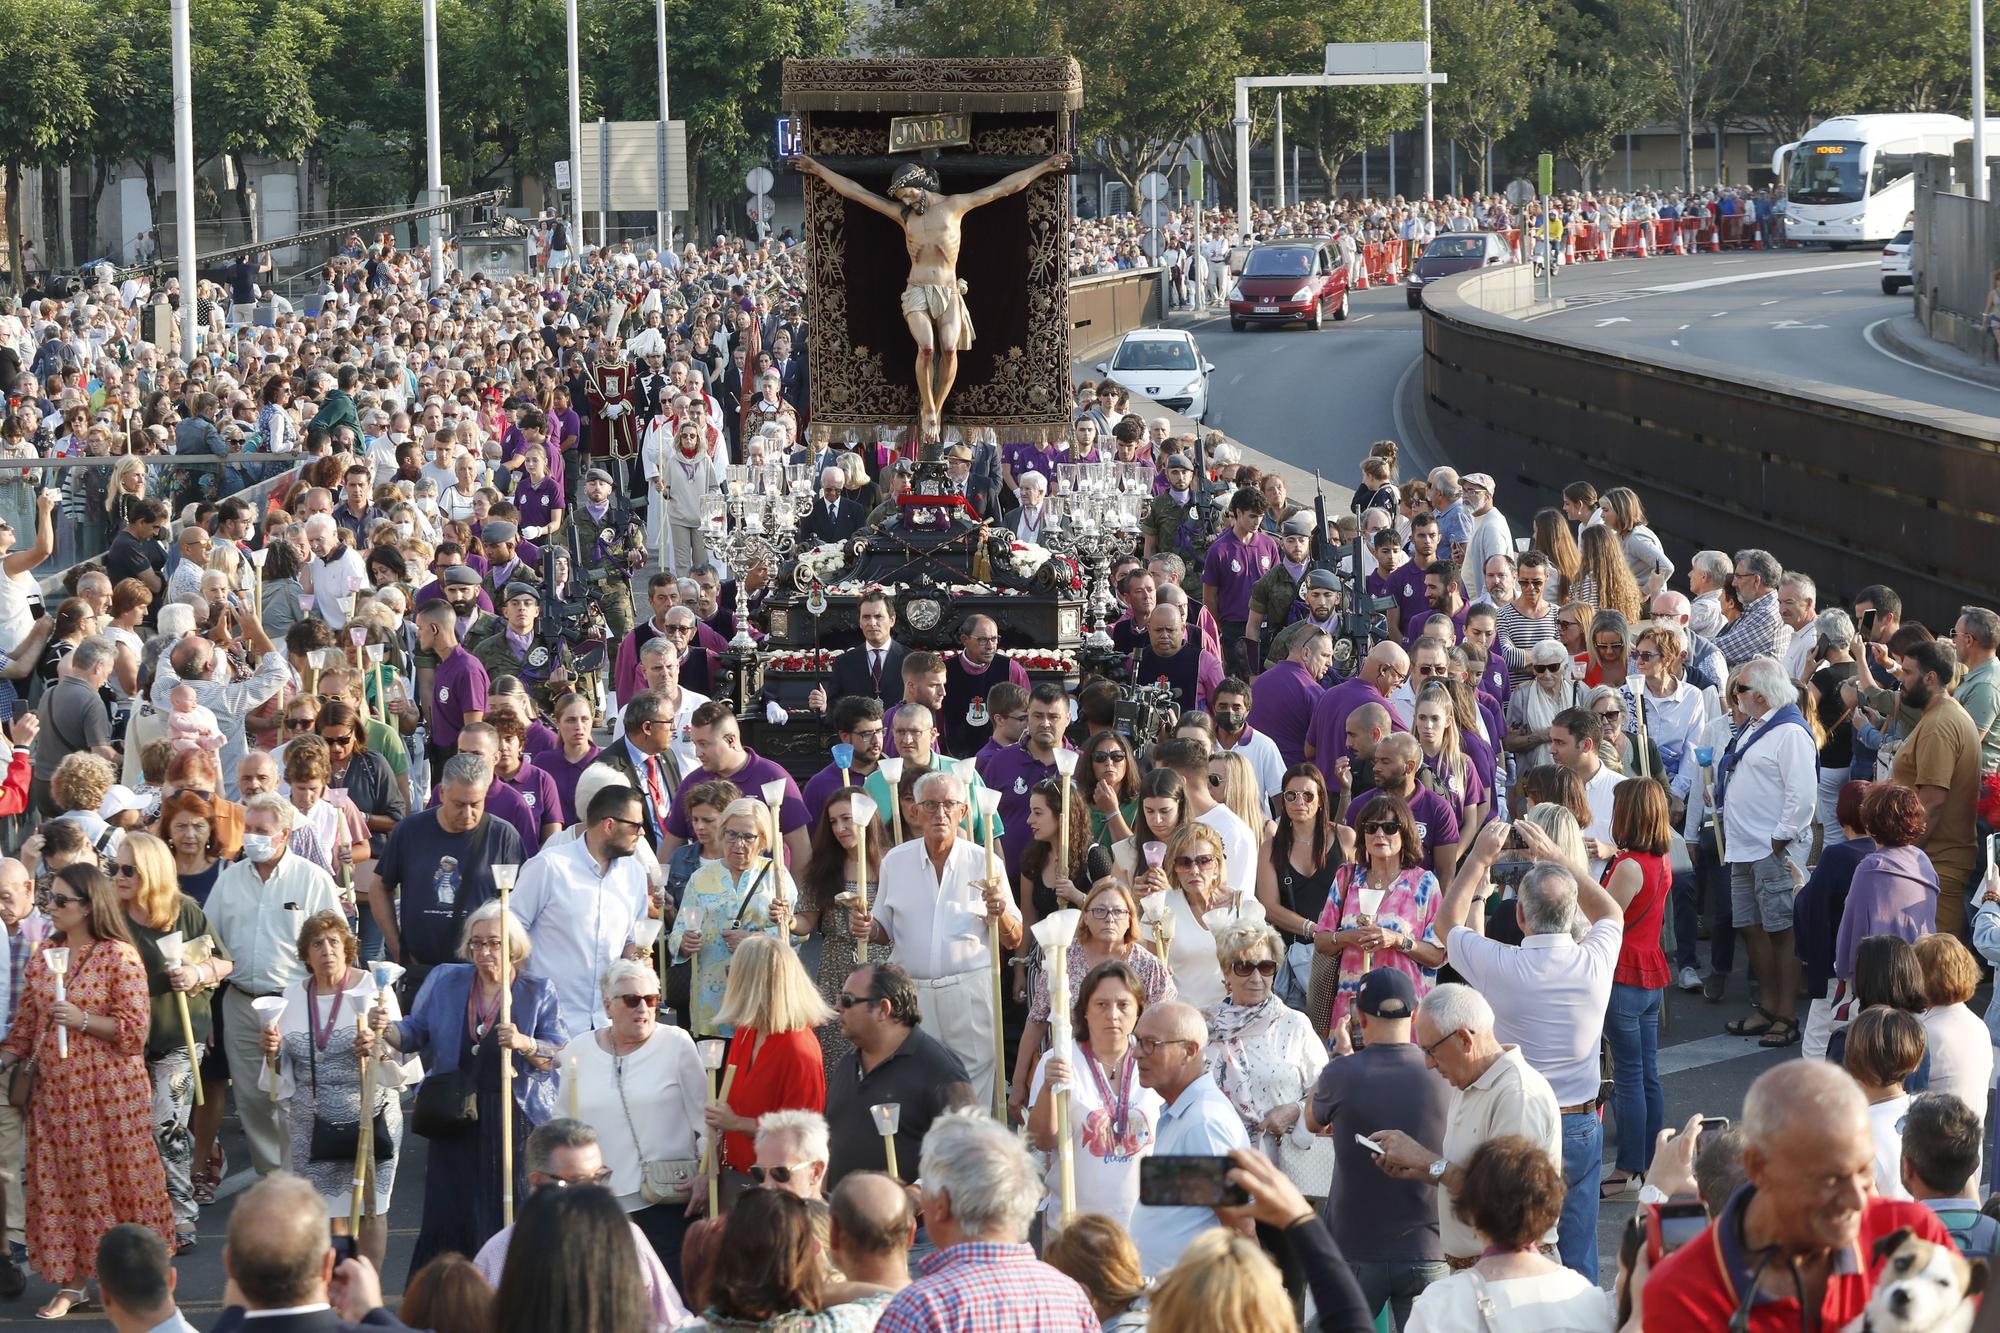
125, 868
1739, 688
1433, 672
846, 1001
635, 824
1430, 1051
1243, 967
64, 900
1194, 862
939, 807
1611, 645
1569, 624
639, 1001
1108, 914
1548, 668
1152, 1045
1383, 827
1645, 655
736, 835
1534, 583
780, 1175
298, 724
482, 946
1301, 797
1108, 757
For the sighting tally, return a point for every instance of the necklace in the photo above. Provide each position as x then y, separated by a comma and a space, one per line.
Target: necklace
481, 1017
321, 1038
1119, 1108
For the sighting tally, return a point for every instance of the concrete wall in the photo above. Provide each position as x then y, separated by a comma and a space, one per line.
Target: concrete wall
1956, 249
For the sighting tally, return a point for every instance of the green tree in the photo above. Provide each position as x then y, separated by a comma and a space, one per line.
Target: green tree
252, 93
127, 59
1143, 94
46, 114
1493, 51
1577, 114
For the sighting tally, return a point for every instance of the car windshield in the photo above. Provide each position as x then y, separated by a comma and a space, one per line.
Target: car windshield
1154, 354
1903, 237
1456, 247
1279, 262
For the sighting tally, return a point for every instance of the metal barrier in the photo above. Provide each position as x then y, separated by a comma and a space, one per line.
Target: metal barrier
1854, 487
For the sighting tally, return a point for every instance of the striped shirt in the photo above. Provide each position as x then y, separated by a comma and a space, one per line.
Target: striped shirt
1519, 634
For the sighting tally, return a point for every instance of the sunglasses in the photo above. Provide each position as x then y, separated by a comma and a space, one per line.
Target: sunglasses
1300, 797
64, 900
846, 1001
1194, 862
780, 1175
1243, 967
346, 740
1385, 828
638, 1001
601, 1176
125, 868
1215, 779
1549, 668
298, 724
1645, 655
1107, 757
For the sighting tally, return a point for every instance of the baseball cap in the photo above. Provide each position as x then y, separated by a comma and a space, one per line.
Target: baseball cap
1387, 993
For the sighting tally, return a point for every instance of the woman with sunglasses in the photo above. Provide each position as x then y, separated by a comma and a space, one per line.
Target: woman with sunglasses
834, 867
148, 887
771, 1009
91, 1159
1110, 934
1620, 749
1675, 711
355, 769
1200, 886
1296, 873
1113, 783
454, 1024
1265, 1058
1162, 812
1233, 782
1398, 932
745, 893
1112, 1115
1532, 711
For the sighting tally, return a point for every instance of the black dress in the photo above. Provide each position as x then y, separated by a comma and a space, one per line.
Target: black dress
462, 1174
1306, 895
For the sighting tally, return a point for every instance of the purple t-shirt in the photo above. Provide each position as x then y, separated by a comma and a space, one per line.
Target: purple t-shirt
1437, 822
1233, 566
1281, 706
568, 427
458, 687
1022, 458
565, 774
820, 789
1328, 733
749, 780
1495, 680
537, 502
539, 790
1013, 772
1406, 585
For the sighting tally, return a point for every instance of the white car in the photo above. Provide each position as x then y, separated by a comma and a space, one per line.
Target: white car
1896, 263
1163, 365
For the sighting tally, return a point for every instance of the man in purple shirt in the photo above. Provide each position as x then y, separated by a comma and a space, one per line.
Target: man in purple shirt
1444, 595
1008, 703
1385, 667
458, 682
858, 721
718, 744
1406, 585
537, 496
1015, 772
1282, 707
1236, 559
1396, 761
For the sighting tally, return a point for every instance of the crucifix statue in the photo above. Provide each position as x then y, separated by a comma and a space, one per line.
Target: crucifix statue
934, 298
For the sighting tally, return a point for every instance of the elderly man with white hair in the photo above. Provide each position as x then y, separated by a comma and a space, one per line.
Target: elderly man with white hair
793, 1151
1706, 669
336, 571
932, 912
256, 909
980, 1189
1708, 573
835, 516
193, 661
1766, 785
1030, 521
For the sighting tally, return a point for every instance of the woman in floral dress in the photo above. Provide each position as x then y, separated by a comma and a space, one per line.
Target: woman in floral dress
1398, 932
745, 893
91, 1159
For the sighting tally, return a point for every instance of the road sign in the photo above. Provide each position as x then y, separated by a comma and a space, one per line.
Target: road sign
1545, 173
562, 174
1520, 193
1194, 179
758, 206
1374, 57
1152, 185
1154, 213
758, 180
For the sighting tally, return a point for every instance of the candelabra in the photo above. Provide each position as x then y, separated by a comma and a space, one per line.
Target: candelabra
755, 519
1095, 515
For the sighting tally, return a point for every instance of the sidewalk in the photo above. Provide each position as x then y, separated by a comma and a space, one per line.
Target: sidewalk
1904, 336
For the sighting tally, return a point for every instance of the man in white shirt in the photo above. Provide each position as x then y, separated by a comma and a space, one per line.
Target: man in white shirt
580, 901
1574, 736
1234, 735
1549, 995
1189, 758
192, 662
256, 909
933, 910
1491, 534
1798, 607
336, 570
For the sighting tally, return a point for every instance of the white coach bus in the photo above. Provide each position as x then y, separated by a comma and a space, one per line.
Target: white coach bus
1852, 179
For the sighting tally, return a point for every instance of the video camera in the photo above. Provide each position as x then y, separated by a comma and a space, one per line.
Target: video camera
571, 632
1144, 713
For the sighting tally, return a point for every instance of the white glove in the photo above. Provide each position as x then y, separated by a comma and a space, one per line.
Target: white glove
775, 715
613, 411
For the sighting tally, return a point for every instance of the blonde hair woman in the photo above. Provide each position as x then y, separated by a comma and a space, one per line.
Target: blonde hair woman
1626, 517
1223, 1280
148, 885
1239, 791
1200, 885
1604, 577
771, 1008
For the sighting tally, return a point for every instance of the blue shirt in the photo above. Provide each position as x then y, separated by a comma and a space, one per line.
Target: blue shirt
1201, 1123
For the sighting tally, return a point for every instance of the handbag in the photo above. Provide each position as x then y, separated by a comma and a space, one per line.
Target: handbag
338, 1140
447, 1105
21, 1080
661, 1179
1306, 1159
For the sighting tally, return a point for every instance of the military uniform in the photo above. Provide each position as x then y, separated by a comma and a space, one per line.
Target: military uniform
496, 653
1273, 597
614, 545
1177, 527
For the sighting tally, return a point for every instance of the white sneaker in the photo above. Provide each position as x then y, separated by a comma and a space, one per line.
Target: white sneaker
1690, 979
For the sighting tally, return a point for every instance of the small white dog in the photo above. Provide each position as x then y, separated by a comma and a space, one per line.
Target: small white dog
1922, 1288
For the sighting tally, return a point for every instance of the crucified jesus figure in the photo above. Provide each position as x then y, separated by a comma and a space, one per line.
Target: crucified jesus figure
934, 299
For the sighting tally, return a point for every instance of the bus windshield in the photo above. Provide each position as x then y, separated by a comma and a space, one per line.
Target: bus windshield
1825, 172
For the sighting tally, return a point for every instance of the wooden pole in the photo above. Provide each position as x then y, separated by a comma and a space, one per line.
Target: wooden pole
711, 1157
363, 1140
507, 1059
993, 951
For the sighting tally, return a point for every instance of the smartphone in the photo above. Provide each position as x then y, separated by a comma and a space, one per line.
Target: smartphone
1867, 622
1364, 1141
343, 1249
1671, 1225
1710, 1124
1189, 1182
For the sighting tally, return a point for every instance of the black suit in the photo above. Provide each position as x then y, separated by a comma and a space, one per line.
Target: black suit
836, 522
319, 1321
850, 675
618, 755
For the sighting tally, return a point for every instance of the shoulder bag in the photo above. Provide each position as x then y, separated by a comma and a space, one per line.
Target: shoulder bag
661, 1179
337, 1140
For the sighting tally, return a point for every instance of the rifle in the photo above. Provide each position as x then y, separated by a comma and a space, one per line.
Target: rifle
1322, 549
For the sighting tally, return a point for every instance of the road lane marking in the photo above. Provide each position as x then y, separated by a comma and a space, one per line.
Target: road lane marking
1718, 314
1704, 1052
1767, 303
1615, 319
1683, 328
1699, 284
1673, 342
1868, 336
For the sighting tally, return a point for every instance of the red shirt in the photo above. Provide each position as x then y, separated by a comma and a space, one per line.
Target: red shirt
1641, 961
786, 1075
1699, 1287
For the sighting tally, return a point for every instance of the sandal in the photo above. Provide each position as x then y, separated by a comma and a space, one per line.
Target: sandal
1783, 1032
1615, 1184
1750, 1025
71, 1300
205, 1185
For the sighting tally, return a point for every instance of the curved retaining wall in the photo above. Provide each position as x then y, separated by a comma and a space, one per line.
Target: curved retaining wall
1853, 487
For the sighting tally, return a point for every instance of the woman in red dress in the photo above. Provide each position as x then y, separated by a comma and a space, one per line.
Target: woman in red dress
773, 1007
91, 1159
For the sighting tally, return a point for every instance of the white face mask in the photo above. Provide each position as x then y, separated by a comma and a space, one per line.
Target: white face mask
404, 527
259, 847
427, 503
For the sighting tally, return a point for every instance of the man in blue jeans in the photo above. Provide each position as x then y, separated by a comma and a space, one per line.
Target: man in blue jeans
1549, 996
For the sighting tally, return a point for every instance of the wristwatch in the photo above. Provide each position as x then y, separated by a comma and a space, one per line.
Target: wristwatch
1437, 1169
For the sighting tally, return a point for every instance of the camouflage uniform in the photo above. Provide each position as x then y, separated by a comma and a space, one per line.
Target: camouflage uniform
1179, 529
614, 546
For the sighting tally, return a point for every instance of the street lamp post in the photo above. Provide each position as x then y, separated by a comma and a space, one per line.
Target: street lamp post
1430, 176
664, 224
184, 171
575, 140
1982, 187
434, 156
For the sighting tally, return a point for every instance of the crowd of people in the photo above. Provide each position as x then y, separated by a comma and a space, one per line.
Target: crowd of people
322, 820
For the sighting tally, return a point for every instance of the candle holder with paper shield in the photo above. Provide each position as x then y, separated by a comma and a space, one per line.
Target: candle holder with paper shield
656, 882
843, 759
504, 879
862, 809
774, 802
57, 961
977, 907
1157, 915
1065, 761
270, 1009
1054, 933
173, 949
891, 768
713, 1051
646, 934
888, 1119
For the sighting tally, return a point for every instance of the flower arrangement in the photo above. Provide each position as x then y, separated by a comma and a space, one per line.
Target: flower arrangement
823, 561
806, 660
1024, 559
1062, 662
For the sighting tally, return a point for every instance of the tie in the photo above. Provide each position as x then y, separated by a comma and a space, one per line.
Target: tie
656, 796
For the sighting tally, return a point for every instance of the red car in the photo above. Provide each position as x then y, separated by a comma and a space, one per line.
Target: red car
1287, 281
